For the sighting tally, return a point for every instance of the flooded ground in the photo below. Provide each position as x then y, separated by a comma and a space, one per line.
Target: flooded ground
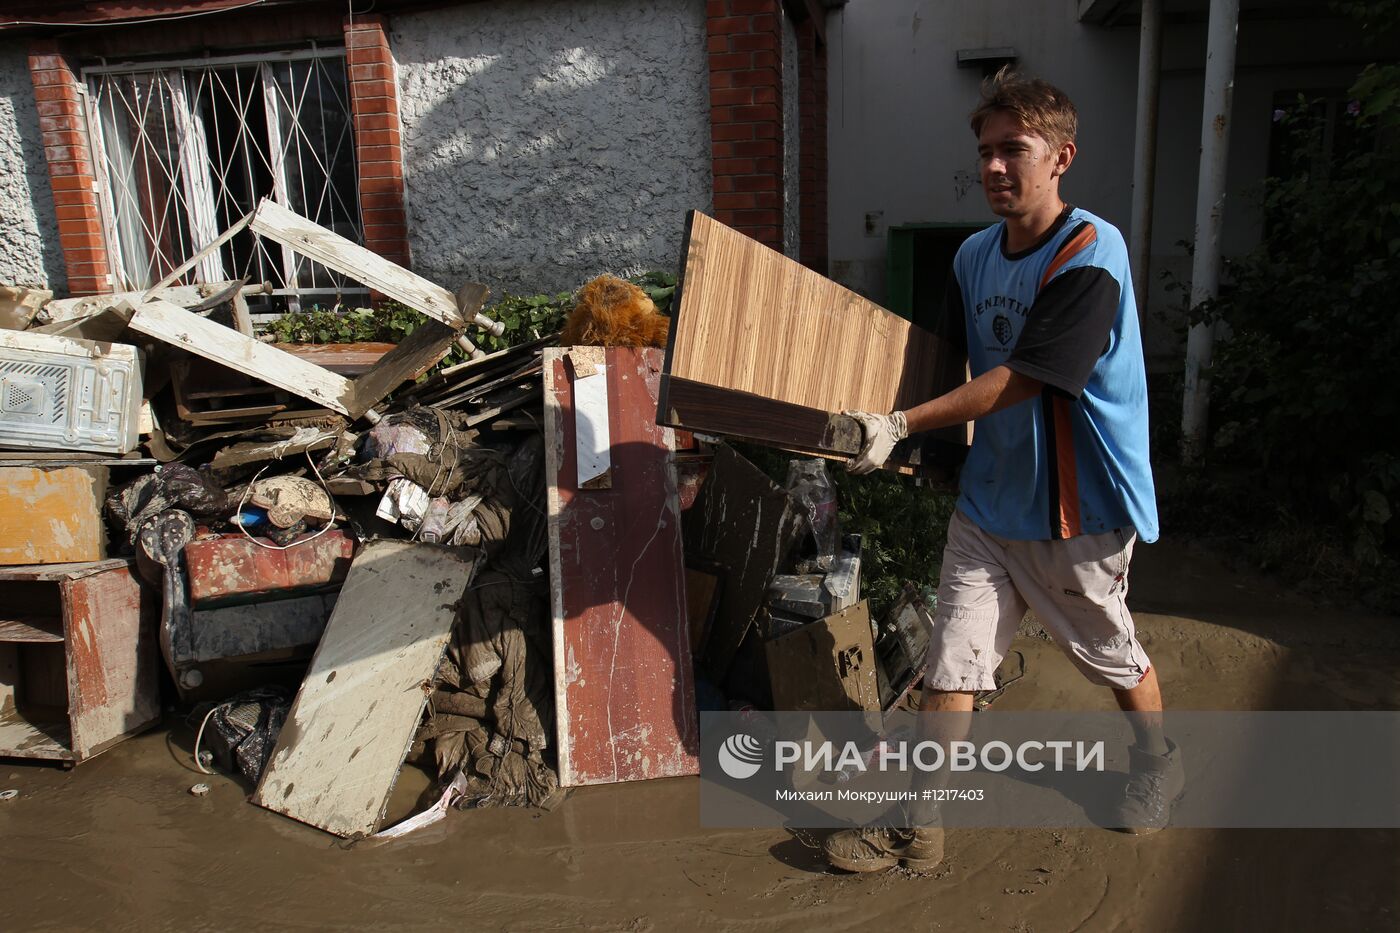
119, 843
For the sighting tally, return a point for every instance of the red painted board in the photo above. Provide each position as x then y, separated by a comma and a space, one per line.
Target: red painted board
231, 566
624, 687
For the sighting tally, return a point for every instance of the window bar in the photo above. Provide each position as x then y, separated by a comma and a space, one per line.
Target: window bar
276, 161
92, 107
194, 175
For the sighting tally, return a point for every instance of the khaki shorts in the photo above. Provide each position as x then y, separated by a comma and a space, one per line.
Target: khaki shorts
1076, 587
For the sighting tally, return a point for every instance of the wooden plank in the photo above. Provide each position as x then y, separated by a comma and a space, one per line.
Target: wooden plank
624, 690
713, 410
32, 629
52, 515
112, 674
354, 718
334, 251
419, 352
174, 325
749, 320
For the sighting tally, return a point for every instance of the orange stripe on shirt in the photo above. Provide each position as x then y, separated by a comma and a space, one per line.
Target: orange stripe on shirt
1072, 248
1067, 469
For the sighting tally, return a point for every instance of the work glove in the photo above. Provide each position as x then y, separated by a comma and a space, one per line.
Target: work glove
881, 433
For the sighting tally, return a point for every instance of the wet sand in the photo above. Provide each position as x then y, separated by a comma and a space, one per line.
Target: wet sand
119, 843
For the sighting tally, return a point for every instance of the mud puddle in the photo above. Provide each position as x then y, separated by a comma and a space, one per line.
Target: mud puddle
119, 843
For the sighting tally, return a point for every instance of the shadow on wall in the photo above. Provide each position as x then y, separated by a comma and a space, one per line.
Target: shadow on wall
29, 247
547, 141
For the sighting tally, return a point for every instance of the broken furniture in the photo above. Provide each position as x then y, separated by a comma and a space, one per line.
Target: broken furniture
826, 664
255, 613
52, 515
19, 305
77, 659
344, 741
624, 692
68, 394
765, 349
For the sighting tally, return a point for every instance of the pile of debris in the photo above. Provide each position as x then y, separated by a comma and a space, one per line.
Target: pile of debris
346, 557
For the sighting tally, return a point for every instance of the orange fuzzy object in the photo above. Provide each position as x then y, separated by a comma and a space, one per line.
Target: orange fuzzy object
610, 312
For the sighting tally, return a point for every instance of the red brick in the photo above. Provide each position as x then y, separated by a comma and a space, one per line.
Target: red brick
715, 8
722, 150
382, 215
731, 131
739, 7
59, 109
82, 250
756, 77
385, 232
382, 200
764, 217
718, 25
756, 183
376, 121
47, 63
365, 38
756, 113
63, 78
379, 154
765, 23
381, 170
765, 95
754, 42
735, 201
769, 130
723, 183
765, 59
64, 134
389, 137
76, 212
717, 44
757, 147
56, 92
730, 61
731, 96
369, 55
734, 167
380, 185
66, 153
371, 71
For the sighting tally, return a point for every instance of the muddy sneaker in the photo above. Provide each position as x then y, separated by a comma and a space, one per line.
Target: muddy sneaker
874, 848
1154, 784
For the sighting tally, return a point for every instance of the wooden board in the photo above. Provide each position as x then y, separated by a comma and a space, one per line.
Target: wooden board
419, 352
336, 252
354, 718
624, 689
52, 515
174, 325
749, 320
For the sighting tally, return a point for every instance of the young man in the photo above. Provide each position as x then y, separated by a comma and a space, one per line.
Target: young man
1057, 485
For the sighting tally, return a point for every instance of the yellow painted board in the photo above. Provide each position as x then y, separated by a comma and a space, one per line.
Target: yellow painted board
52, 515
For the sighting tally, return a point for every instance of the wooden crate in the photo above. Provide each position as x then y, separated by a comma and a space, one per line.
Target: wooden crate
51, 515
78, 659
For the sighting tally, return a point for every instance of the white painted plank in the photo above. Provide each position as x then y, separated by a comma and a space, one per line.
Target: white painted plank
334, 251
223, 345
354, 718
592, 440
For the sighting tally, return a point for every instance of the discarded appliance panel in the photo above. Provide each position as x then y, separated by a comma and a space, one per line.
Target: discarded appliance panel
67, 394
901, 644
829, 664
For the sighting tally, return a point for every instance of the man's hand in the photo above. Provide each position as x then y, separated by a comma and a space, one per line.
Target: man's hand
881, 433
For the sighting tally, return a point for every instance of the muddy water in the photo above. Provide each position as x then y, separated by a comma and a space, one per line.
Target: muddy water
119, 843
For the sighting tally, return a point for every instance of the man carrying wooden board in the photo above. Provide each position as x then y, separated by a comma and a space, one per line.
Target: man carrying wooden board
1057, 485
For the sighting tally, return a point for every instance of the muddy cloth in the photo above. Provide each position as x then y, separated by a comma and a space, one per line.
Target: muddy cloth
173, 486
492, 714
451, 467
242, 731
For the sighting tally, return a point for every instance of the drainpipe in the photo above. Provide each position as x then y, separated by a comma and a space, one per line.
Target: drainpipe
1210, 214
1145, 148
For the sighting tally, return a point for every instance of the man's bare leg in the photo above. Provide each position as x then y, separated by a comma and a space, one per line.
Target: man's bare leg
1143, 703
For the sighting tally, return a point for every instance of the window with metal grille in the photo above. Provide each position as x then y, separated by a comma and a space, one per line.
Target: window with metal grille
187, 148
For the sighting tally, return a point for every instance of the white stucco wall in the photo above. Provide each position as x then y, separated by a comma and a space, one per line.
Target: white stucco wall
548, 140
29, 248
901, 151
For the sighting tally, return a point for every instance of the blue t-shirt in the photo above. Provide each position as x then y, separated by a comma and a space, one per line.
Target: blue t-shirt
1073, 460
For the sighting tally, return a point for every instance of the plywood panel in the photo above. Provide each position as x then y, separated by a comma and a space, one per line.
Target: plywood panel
339, 754
624, 689
51, 515
750, 320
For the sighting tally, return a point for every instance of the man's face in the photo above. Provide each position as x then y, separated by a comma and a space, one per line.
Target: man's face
1020, 171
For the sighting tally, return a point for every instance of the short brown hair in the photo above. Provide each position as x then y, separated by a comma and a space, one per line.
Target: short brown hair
1037, 105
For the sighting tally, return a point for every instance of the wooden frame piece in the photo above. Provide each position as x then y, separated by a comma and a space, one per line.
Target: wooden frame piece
762, 347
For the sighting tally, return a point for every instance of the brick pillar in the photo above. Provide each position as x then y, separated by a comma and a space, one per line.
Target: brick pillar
72, 176
746, 115
811, 69
374, 102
